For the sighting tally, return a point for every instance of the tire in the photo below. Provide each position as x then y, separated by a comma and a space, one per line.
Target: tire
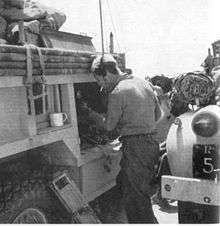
33, 203
192, 213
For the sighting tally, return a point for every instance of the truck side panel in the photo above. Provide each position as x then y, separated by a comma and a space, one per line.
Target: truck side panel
12, 113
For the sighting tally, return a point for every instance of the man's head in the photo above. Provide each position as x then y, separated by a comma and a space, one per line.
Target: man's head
162, 81
105, 70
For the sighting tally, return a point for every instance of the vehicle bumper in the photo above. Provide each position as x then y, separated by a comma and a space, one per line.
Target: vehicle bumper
191, 190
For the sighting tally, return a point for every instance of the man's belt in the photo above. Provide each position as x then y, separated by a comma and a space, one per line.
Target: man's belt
147, 135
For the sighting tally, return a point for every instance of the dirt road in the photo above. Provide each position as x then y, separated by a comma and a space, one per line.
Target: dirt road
110, 210
166, 216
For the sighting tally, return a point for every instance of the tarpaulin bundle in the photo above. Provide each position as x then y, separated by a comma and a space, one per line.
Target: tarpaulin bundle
36, 16
56, 61
195, 87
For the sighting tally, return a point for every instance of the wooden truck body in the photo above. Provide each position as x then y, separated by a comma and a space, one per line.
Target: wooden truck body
30, 149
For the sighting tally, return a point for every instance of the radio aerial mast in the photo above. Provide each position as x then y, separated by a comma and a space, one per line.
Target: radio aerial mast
101, 24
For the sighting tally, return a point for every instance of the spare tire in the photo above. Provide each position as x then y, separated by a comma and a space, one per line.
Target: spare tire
33, 203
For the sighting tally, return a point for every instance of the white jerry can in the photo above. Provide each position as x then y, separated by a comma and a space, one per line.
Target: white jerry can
193, 146
195, 135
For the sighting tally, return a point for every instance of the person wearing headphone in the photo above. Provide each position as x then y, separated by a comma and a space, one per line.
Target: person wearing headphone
216, 76
133, 110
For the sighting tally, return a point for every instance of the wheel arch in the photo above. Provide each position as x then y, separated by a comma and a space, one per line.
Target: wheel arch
21, 171
48, 158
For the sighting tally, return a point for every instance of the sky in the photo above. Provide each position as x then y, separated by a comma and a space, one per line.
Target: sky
158, 36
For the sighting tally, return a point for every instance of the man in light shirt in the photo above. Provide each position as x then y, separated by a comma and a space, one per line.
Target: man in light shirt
133, 110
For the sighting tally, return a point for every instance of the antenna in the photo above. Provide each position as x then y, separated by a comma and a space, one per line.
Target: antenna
101, 24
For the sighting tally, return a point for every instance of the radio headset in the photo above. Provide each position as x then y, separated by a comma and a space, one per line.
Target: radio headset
101, 68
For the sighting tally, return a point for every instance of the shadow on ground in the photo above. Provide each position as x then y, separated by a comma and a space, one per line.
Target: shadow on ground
109, 209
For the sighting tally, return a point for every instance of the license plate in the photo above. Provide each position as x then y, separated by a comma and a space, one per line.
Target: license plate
204, 161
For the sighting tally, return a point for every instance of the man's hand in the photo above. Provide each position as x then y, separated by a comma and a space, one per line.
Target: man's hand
158, 91
217, 96
84, 108
98, 119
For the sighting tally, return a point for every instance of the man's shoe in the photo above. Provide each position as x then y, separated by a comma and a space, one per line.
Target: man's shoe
164, 204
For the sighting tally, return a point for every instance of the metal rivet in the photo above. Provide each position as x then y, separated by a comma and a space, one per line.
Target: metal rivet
178, 122
207, 199
167, 187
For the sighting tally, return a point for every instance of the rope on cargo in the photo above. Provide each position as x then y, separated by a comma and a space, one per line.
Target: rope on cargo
42, 65
28, 80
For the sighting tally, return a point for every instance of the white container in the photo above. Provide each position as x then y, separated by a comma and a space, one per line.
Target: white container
57, 119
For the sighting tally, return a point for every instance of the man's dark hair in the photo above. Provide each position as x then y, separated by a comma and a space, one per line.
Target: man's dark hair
104, 65
162, 81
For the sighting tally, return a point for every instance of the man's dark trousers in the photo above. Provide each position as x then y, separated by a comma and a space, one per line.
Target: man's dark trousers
140, 155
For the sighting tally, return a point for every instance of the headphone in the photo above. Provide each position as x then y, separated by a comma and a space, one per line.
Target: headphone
101, 68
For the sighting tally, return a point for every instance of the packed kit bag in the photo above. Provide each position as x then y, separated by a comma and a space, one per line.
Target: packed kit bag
36, 17
3, 26
195, 88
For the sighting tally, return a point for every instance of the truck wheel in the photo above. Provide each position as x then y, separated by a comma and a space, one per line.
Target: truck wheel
33, 203
192, 213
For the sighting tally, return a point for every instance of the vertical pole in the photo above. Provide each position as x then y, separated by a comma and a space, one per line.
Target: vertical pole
57, 98
44, 96
101, 24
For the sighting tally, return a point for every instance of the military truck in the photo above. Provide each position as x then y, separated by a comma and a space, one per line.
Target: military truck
193, 149
50, 74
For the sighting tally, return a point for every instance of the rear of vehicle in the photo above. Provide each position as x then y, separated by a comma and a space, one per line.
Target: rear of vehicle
193, 146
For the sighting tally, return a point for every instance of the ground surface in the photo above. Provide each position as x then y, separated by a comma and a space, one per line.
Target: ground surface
166, 216
110, 210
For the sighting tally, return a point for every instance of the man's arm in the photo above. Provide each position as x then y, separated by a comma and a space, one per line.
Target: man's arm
157, 92
115, 106
109, 122
217, 96
217, 91
157, 111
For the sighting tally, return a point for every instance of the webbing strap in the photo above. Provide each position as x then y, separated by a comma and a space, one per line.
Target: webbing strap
43, 77
29, 79
42, 65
